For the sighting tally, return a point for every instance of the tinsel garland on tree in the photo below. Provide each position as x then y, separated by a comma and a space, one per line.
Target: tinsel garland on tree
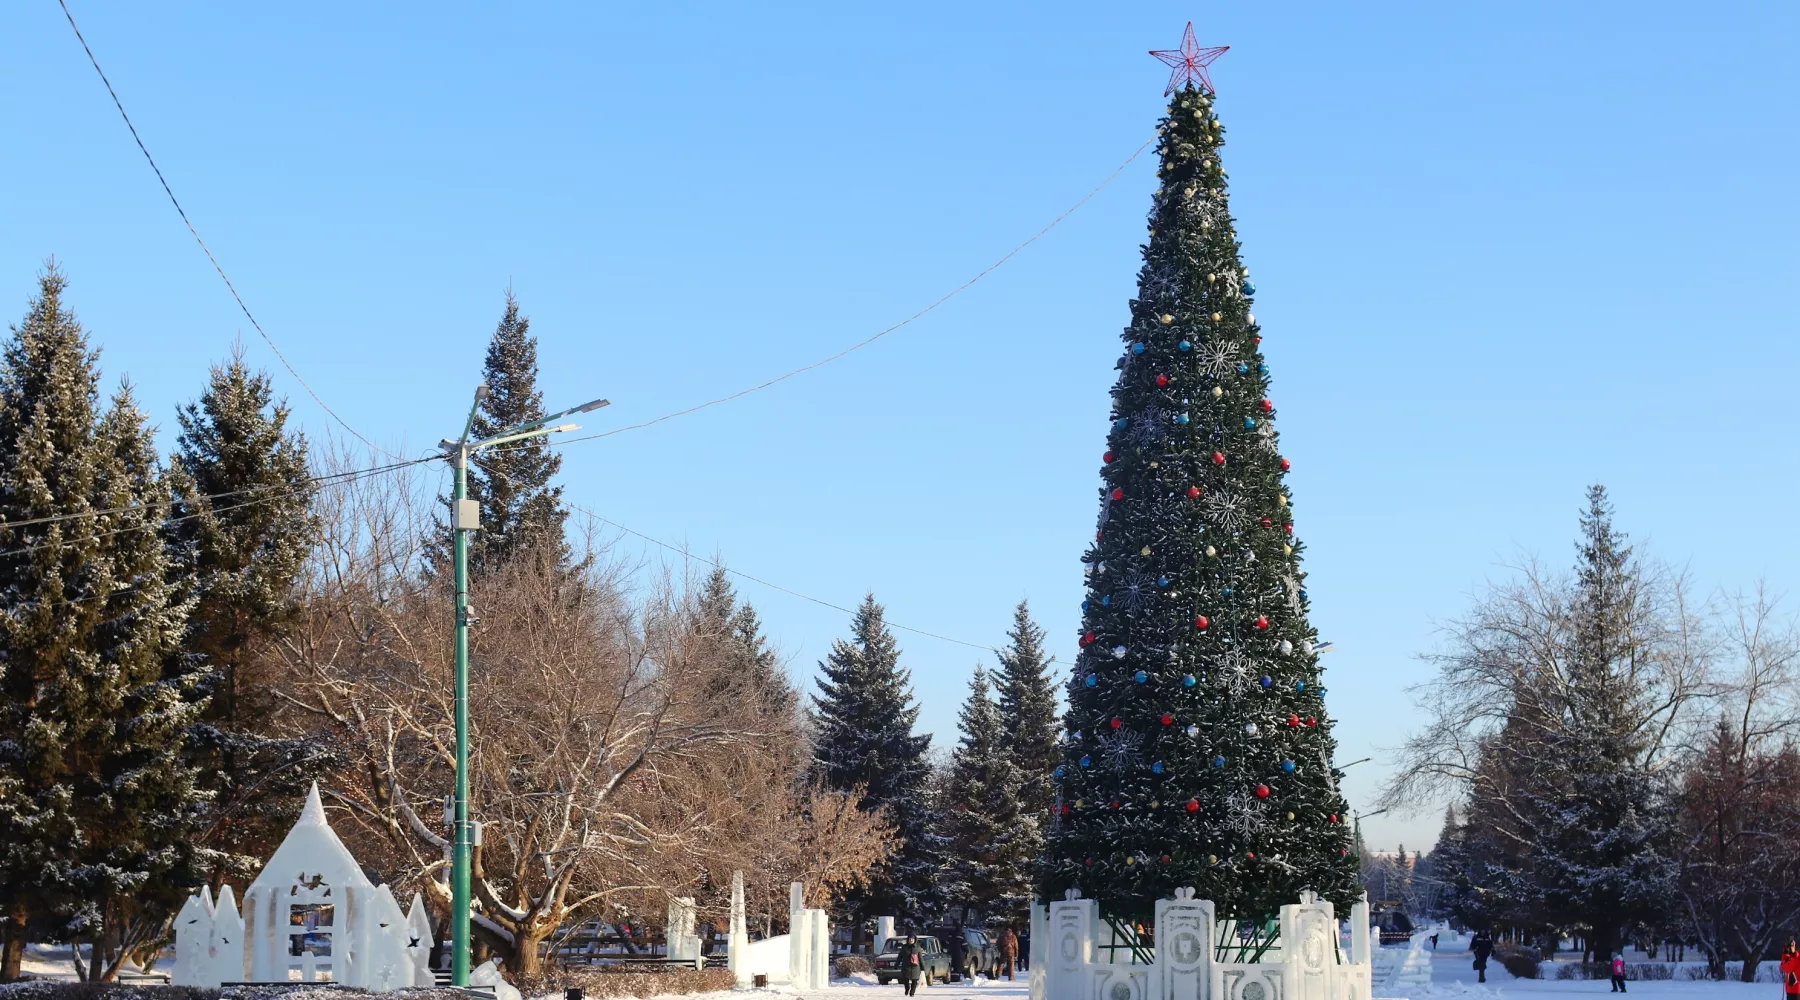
1197, 751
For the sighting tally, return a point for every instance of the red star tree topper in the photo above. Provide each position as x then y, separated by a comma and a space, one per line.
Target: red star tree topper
1189, 62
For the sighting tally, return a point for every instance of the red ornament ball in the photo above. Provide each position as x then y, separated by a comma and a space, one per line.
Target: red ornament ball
1117, 722
1293, 722
1193, 805
1107, 458
1193, 492
1334, 819
1268, 406
1286, 465
1065, 809
1262, 791
1262, 622
1218, 458
1268, 523
1162, 380
1250, 854
1165, 859
1115, 803
1201, 623
1089, 639
1118, 494
1312, 723
1090, 862
1167, 719
1288, 527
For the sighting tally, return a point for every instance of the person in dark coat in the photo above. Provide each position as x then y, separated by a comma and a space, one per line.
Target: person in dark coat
1481, 947
912, 964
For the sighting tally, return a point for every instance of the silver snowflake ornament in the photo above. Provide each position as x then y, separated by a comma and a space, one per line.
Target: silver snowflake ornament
1136, 590
1244, 814
1227, 510
1119, 750
1217, 358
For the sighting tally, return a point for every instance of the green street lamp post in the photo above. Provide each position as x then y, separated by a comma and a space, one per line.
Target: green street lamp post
465, 516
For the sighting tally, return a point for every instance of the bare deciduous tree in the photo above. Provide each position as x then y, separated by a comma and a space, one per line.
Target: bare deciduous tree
619, 756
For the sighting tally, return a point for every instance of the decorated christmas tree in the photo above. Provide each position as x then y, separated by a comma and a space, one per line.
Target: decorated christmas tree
1197, 751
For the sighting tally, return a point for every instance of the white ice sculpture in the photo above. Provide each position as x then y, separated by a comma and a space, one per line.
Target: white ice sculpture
884, 932
488, 974
419, 942
684, 944
311, 915
1307, 966
801, 957
209, 940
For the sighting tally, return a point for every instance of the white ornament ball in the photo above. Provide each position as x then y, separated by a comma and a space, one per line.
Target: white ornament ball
1193, 730
1249, 729
1286, 647
1118, 652
1218, 391
1306, 647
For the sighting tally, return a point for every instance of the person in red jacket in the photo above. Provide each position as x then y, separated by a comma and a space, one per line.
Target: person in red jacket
1790, 971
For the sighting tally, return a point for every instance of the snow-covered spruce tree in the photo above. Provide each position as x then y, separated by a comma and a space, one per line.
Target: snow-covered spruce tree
991, 847
1029, 724
756, 676
863, 718
1198, 752
1602, 833
98, 805
520, 510
243, 528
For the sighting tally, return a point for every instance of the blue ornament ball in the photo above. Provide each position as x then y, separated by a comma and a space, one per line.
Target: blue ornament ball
1267, 682
1183, 419
1137, 348
1156, 768
1299, 685
1263, 368
1249, 288
1189, 681
1084, 605
1249, 423
1121, 423
1287, 766
1141, 677
1218, 762
1059, 770
1092, 681
1185, 346
1106, 600
1162, 581
1243, 368
1087, 761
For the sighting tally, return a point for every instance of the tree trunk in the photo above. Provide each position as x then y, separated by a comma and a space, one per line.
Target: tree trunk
524, 961
13, 955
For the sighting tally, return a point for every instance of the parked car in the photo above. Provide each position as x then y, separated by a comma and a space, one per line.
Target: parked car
935, 959
973, 951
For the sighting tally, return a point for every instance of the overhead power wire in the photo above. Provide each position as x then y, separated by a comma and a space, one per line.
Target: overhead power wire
355, 476
859, 345
324, 480
203, 247
686, 554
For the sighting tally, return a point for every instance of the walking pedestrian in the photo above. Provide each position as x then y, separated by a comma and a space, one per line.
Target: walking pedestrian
1618, 972
1433, 942
1025, 948
1009, 950
1481, 947
1790, 972
912, 964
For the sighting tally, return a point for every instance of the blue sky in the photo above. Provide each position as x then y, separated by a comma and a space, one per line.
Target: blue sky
1502, 250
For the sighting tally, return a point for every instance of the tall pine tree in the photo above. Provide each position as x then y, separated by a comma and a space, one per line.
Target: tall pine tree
1198, 751
863, 718
520, 510
97, 801
243, 529
1028, 720
990, 846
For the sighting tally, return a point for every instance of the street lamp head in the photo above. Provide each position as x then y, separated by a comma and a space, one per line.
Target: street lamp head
560, 428
591, 407
481, 392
